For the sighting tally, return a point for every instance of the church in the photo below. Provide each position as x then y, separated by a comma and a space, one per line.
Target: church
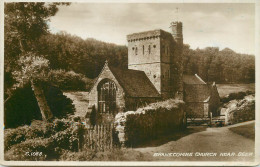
155, 72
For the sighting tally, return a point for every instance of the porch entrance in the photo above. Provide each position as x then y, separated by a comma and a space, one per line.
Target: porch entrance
107, 97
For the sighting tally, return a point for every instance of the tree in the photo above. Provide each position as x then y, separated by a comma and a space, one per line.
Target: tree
31, 68
25, 23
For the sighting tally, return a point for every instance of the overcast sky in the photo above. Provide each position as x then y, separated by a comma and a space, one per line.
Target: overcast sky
218, 25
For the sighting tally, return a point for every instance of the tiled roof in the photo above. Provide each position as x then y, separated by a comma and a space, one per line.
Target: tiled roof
135, 83
192, 79
195, 89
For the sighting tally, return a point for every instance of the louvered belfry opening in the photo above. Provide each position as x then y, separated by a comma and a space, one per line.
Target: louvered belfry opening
107, 97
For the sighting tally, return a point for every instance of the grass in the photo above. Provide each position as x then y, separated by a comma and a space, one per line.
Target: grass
226, 89
247, 131
80, 100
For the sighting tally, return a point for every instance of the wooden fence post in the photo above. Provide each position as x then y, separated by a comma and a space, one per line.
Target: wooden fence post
210, 118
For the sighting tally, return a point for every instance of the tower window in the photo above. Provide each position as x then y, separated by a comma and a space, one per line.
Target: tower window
136, 51
143, 49
149, 49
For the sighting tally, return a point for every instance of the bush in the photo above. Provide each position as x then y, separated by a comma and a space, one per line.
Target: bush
69, 80
21, 108
44, 145
59, 104
86, 155
235, 96
23, 133
93, 115
52, 139
245, 111
146, 123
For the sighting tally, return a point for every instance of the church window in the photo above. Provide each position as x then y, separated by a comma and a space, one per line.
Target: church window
149, 49
107, 97
136, 51
143, 49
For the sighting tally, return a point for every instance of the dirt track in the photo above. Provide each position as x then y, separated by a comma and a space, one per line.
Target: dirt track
197, 140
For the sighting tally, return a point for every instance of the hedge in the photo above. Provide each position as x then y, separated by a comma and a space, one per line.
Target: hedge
152, 121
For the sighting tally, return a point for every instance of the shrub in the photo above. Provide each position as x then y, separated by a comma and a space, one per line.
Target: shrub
69, 80
59, 104
44, 145
245, 111
93, 115
21, 108
234, 96
23, 133
85, 155
146, 123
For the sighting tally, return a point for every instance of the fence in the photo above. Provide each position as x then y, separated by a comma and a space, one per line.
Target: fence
99, 137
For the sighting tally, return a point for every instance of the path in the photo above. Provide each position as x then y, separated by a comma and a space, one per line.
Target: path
80, 100
205, 140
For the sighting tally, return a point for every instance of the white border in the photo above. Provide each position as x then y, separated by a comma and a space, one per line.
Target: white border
140, 163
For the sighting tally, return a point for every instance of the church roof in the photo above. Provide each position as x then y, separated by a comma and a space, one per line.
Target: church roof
135, 83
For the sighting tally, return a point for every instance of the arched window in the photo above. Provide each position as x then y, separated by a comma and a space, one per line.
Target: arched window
107, 96
149, 49
143, 49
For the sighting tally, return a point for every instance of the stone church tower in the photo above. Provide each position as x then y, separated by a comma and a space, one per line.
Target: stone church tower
159, 54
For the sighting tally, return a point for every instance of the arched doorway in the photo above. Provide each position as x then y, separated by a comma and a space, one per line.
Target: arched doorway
107, 96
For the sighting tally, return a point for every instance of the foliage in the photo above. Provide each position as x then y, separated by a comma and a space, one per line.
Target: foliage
221, 66
85, 155
235, 96
93, 115
59, 104
32, 68
245, 111
22, 133
52, 139
25, 23
43, 145
87, 57
21, 108
146, 123
69, 80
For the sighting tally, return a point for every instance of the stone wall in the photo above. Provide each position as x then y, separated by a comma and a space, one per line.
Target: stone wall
197, 109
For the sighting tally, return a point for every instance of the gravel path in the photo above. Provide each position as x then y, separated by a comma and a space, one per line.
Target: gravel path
206, 140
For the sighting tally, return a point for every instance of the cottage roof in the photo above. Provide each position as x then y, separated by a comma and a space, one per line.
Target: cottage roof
192, 79
135, 83
195, 89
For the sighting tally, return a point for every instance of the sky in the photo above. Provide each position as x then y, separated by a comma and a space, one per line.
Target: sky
223, 25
